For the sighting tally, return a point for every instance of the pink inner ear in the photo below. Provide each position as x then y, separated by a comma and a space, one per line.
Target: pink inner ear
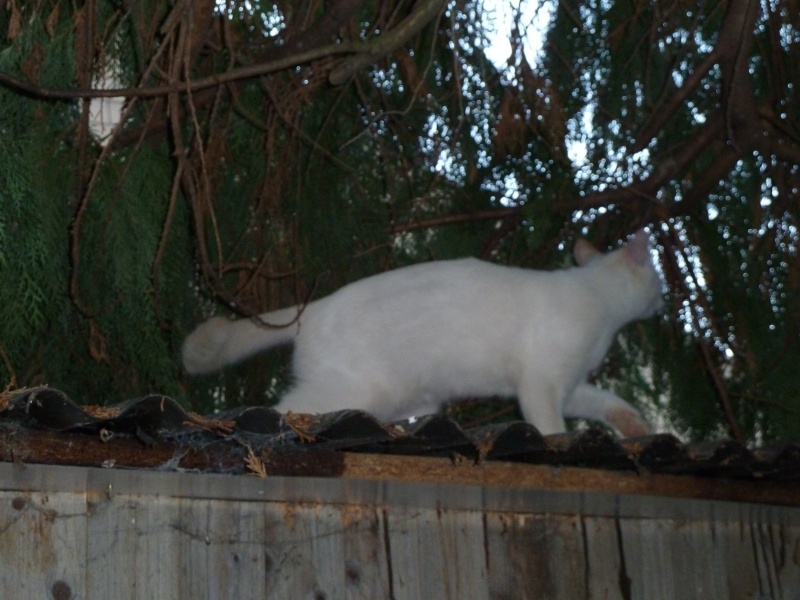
639, 248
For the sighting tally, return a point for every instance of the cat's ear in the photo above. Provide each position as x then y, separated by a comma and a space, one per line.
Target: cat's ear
584, 252
638, 248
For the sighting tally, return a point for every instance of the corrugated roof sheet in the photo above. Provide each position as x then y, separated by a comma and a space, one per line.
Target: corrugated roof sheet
157, 431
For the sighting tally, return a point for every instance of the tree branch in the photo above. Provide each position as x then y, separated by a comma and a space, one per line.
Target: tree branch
709, 179
732, 53
424, 12
738, 99
661, 117
247, 72
722, 390
326, 29
780, 148
480, 215
671, 167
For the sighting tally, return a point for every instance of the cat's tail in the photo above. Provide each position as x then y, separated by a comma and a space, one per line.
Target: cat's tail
219, 341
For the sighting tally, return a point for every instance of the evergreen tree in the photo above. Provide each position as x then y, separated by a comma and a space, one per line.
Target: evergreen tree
272, 152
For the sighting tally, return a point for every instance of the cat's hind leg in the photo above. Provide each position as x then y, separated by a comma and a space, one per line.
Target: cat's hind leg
540, 405
590, 402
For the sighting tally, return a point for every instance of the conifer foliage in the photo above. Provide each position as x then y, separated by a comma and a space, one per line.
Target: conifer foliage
270, 152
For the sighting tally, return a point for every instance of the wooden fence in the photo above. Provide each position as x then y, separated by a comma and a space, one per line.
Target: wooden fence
91, 533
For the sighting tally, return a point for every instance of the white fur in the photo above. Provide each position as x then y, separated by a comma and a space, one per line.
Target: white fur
402, 342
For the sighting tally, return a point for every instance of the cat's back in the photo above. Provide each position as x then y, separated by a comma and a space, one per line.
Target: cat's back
425, 299
454, 281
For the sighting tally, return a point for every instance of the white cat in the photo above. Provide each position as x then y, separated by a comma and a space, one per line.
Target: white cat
400, 343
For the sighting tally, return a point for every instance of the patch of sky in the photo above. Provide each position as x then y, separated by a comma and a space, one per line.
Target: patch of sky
789, 35
579, 129
692, 312
272, 22
500, 17
445, 156
534, 19
678, 37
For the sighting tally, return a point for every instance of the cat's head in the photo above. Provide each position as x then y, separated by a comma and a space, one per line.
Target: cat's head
642, 287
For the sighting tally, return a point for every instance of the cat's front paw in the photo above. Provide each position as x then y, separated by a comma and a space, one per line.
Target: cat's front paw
203, 349
628, 422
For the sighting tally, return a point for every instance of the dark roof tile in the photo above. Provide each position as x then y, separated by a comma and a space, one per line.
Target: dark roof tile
311, 444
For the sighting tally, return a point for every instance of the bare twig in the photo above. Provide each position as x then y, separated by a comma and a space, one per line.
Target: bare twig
480, 215
722, 391
424, 12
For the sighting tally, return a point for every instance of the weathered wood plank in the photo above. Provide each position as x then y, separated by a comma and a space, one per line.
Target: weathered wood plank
437, 554
667, 558
42, 545
366, 564
235, 560
324, 551
217, 549
127, 540
529, 555
776, 549
605, 579
514, 492
191, 539
114, 547
733, 547
157, 575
